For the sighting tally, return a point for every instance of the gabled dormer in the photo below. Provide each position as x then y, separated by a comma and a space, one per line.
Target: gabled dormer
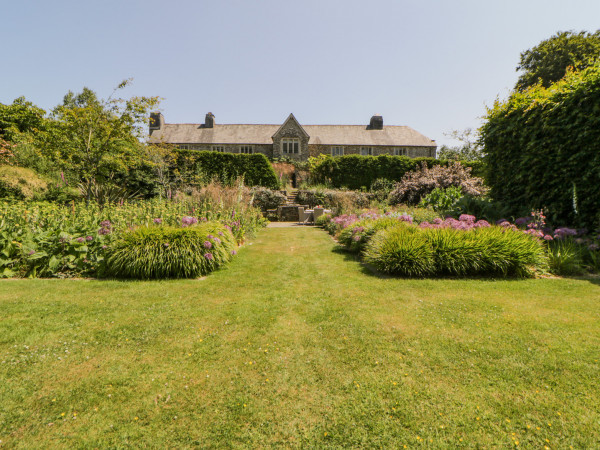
291, 140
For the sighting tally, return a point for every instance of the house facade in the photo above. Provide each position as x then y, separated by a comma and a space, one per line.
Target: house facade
293, 140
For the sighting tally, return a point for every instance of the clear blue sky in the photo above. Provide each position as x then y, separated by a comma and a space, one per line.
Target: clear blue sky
431, 65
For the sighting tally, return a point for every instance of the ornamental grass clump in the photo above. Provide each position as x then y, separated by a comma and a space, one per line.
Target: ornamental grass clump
161, 252
456, 251
401, 250
356, 236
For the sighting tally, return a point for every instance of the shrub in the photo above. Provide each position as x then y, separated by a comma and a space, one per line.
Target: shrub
169, 252
481, 207
21, 183
323, 220
360, 172
401, 250
341, 201
225, 167
442, 200
356, 236
264, 198
417, 184
381, 188
543, 149
565, 257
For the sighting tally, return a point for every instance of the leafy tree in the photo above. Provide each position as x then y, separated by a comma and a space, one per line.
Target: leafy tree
469, 150
19, 118
99, 138
548, 61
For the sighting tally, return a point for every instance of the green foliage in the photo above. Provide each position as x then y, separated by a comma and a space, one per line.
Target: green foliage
381, 188
339, 200
323, 221
19, 118
225, 167
409, 251
168, 252
356, 236
565, 257
484, 208
21, 183
548, 62
105, 193
442, 200
401, 250
358, 172
41, 239
264, 198
544, 143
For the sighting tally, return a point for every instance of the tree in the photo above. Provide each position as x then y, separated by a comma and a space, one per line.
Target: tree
548, 61
99, 138
19, 118
469, 150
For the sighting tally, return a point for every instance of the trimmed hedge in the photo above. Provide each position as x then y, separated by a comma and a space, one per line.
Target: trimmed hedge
256, 168
356, 171
543, 149
170, 252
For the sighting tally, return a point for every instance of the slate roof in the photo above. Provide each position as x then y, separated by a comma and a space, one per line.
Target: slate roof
391, 135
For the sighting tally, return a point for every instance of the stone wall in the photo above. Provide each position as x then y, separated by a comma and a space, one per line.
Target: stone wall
291, 129
265, 149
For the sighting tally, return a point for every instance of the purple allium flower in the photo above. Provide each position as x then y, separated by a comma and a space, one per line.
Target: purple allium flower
217, 240
233, 252
228, 227
437, 221
522, 221
80, 239
105, 224
207, 244
188, 220
89, 238
467, 218
233, 214
103, 231
501, 221
548, 237
505, 224
564, 231
210, 236
208, 256
166, 245
356, 238
31, 252
157, 221
221, 233
482, 224
593, 247
104, 246
579, 241
405, 218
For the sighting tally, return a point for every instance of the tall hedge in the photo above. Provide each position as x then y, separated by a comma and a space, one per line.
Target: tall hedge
543, 149
356, 171
256, 168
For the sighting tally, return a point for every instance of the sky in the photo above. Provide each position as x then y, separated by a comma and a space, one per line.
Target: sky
433, 65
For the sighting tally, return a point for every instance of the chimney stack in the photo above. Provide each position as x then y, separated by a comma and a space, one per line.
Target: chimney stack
209, 120
157, 120
376, 123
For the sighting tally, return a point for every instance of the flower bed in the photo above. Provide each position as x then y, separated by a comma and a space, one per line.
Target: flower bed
51, 240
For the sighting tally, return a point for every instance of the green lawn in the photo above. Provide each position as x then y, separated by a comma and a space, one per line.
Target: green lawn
296, 344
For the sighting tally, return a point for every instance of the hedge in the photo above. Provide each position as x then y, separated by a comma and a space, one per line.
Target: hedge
356, 171
543, 149
256, 168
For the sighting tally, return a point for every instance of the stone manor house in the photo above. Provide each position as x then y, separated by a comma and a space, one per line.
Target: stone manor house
291, 139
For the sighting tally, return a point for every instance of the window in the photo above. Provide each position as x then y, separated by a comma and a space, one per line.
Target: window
246, 149
337, 151
290, 145
184, 146
366, 151
400, 152
218, 148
